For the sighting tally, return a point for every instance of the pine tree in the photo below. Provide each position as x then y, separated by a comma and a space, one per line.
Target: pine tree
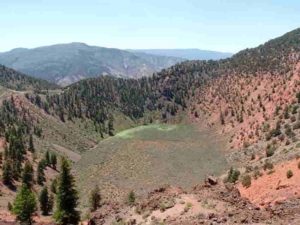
31, 146
40, 173
67, 199
95, 199
111, 126
53, 160
47, 158
44, 201
24, 205
7, 176
16, 169
27, 176
53, 186
51, 202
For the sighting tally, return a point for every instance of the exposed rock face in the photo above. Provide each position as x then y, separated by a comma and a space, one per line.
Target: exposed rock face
217, 204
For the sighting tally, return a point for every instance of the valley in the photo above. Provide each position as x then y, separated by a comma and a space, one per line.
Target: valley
146, 157
196, 143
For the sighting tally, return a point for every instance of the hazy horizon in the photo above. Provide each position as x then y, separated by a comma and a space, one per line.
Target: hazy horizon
138, 49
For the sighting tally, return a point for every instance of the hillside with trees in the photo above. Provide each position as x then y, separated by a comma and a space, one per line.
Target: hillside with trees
247, 106
171, 90
20, 82
64, 64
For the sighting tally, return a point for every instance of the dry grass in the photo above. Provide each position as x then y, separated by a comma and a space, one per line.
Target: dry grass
146, 157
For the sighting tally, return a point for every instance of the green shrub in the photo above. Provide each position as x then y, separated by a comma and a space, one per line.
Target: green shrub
268, 136
289, 174
296, 126
9, 206
131, 198
276, 131
246, 180
270, 150
268, 165
266, 127
233, 175
257, 174
294, 109
286, 113
188, 207
288, 131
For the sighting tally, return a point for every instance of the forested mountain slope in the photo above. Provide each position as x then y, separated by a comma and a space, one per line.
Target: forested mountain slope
15, 80
174, 89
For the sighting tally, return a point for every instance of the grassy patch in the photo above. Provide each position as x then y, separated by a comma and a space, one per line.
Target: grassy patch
146, 157
146, 131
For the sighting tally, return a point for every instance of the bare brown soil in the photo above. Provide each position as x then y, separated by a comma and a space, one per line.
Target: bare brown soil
275, 187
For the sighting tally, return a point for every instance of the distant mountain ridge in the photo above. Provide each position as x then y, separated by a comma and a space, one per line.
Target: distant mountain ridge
189, 54
67, 63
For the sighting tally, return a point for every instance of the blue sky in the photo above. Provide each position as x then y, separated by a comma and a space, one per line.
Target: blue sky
223, 25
